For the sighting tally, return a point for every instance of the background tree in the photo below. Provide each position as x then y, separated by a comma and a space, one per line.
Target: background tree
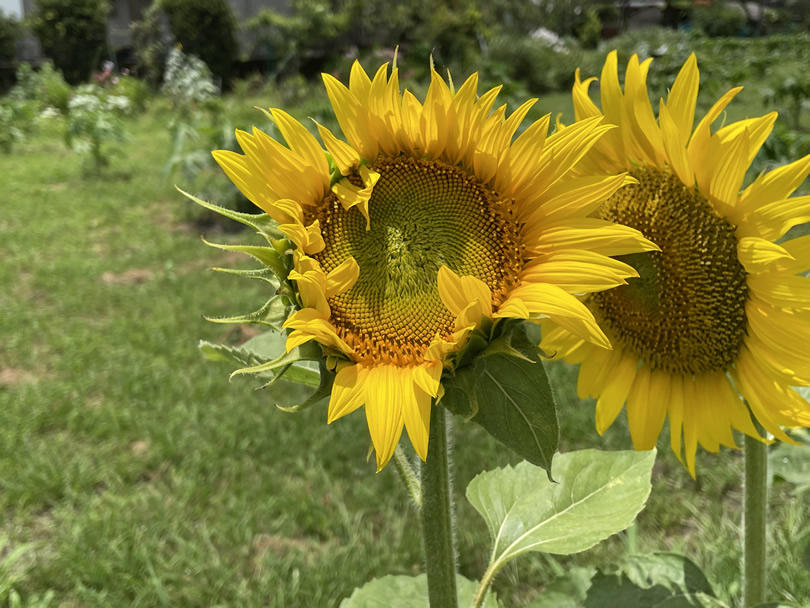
73, 34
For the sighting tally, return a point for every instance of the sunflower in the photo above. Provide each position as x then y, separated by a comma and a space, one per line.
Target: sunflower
427, 221
720, 316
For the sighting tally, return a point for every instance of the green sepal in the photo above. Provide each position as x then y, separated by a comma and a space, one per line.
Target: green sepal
273, 314
295, 373
263, 274
260, 222
476, 343
266, 255
324, 390
309, 351
334, 173
223, 352
505, 390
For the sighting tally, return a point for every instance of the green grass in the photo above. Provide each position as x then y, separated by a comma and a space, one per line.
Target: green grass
141, 477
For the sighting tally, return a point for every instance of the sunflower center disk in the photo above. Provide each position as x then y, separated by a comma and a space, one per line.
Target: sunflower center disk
424, 214
686, 312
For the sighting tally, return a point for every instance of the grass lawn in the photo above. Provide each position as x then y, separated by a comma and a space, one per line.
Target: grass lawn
134, 474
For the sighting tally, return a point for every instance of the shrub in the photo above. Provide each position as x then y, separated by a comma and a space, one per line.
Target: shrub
73, 33
302, 41
719, 20
589, 32
536, 64
9, 132
46, 87
207, 29
137, 91
10, 33
150, 46
53, 90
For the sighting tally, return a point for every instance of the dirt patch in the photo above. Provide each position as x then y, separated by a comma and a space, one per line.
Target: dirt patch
279, 546
139, 448
13, 376
132, 276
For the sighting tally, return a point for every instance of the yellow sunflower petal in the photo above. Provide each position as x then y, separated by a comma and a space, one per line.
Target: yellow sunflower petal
342, 278
615, 391
348, 392
756, 254
416, 415
385, 387
458, 293
646, 407
346, 157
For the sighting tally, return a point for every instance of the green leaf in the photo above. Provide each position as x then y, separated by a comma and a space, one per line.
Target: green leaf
674, 571
598, 495
657, 580
566, 591
792, 462
506, 391
614, 591
408, 592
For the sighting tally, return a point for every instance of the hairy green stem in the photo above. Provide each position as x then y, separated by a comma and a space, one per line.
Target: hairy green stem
437, 516
755, 508
408, 476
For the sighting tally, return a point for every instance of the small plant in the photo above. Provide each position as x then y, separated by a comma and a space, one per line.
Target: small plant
9, 133
94, 122
187, 81
134, 89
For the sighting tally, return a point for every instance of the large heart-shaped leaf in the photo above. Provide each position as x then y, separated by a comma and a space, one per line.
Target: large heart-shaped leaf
598, 494
506, 391
409, 592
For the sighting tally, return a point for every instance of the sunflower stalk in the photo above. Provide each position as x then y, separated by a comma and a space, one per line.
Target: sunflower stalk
438, 537
755, 509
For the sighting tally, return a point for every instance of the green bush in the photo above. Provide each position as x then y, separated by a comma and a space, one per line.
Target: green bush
53, 90
46, 87
73, 33
590, 32
137, 91
302, 41
150, 47
540, 67
719, 20
10, 33
207, 29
